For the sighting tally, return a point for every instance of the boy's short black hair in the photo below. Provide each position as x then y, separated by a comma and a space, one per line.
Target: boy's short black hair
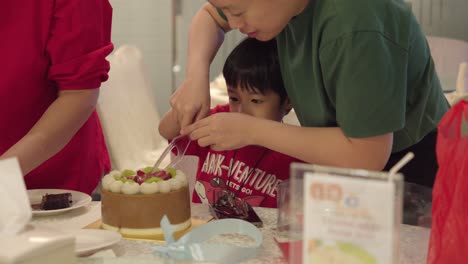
254, 65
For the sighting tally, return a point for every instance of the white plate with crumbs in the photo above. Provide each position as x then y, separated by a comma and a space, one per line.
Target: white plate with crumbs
79, 200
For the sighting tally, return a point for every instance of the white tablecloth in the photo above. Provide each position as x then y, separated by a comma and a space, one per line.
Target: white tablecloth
413, 243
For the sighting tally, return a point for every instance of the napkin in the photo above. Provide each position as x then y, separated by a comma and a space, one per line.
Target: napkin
14, 201
24, 242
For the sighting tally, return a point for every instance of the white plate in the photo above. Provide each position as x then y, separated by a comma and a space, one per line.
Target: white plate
89, 241
79, 200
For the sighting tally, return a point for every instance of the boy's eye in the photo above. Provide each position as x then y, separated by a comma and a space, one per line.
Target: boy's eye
233, 99
256, 101
237, 15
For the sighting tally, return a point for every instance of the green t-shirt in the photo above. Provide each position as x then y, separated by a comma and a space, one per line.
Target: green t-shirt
363, 66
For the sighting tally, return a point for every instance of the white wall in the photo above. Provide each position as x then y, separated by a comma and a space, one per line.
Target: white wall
159, 28
445, 18
188, 9
147, 24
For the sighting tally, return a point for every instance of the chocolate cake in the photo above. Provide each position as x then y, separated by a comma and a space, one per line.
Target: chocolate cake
56, 201
228, 205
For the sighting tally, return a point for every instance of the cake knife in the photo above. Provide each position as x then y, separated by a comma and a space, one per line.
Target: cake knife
167, 151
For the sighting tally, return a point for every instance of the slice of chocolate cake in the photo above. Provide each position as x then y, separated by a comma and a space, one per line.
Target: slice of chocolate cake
56, 201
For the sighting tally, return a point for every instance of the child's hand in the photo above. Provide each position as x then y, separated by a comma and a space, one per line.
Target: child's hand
191, 101
222, 131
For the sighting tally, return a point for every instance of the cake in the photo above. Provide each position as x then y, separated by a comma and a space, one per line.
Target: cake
54, 201
134, 202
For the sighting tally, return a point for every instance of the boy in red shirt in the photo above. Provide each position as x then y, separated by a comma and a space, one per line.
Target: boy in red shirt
255, 88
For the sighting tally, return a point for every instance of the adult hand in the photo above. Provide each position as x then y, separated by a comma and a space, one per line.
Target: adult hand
223, 131
191, 101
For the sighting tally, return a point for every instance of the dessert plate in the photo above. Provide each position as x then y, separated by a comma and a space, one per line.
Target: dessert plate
79, 200
89, 241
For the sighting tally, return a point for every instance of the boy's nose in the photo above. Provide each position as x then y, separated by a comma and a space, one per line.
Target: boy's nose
243, 109
236, 23
239, 108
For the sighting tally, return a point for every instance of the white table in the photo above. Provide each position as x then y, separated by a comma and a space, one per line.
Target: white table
414, 240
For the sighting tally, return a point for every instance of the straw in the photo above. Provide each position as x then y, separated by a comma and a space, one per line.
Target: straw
460, 85
409, 156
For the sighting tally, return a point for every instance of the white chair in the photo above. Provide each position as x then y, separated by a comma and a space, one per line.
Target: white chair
129, 116
128, 112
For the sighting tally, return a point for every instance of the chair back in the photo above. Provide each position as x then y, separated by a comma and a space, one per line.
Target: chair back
128, 111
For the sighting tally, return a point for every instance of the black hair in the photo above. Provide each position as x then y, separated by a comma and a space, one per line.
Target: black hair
254, 65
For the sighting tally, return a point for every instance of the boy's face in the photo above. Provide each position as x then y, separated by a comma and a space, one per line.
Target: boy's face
254, 103
260, 19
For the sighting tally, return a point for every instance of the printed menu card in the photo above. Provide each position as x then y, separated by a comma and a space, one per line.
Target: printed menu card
350, 216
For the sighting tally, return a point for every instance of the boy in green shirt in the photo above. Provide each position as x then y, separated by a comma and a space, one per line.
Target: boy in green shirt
359, 75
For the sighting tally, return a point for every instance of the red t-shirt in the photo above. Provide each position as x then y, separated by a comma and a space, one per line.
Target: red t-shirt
47, 46
255, 172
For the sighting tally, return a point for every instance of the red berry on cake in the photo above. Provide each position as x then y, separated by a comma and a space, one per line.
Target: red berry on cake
139, 179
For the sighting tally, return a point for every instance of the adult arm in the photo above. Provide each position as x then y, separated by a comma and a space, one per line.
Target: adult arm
54, 129
325, 146
169, 126
191, 101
